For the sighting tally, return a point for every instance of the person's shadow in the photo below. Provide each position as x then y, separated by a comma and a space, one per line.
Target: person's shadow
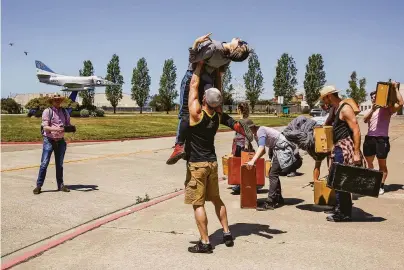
393, 187
243, 229
84, 188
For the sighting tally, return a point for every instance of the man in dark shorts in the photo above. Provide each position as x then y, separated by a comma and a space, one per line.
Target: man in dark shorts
377, 139
217, 57
202, 181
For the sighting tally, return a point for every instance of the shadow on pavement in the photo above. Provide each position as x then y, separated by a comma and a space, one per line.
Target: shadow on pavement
288, 201
245, 229
393, 187
84, 188
358, 215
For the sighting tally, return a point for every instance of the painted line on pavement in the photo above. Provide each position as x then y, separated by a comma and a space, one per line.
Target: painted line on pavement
39, 250
90, 158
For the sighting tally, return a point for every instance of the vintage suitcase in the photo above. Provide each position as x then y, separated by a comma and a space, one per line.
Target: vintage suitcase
225, 163
248, 187
234, 164
267, 167
323, 139
353, 179
353, 104
323, 195
385, 94
260, 166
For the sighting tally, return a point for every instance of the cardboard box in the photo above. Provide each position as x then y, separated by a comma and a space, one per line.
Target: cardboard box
353, 104
260, 166
323, 137
385, 94
234, 164
225, 163
323, 195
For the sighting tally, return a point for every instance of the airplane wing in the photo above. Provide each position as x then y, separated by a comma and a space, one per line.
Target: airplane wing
73, 85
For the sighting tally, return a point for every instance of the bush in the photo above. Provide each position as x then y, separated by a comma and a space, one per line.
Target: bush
75, 114
38, 113
99, 112
84, 113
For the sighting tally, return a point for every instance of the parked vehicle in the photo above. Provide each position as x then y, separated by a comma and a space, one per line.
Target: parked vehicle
316, 112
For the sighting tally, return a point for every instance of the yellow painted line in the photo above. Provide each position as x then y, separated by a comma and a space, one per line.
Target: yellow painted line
89, 158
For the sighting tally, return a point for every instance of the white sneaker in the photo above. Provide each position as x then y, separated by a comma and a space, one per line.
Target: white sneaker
381, 191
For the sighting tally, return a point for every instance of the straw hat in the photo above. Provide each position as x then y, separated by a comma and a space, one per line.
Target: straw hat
328, 90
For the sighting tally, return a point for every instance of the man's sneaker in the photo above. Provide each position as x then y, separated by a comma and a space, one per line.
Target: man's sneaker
63, 188
267, 206
177, 154
236, 190
37, 190
338, 217
201, 248
228, 239
381, 191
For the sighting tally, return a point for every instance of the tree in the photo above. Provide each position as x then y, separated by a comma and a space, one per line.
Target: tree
228, 89
253, 80
285, 79
314, 78
114, 92
155, 101
357, 93
141, 83
87, 96
10, 106
167, 91
42, 103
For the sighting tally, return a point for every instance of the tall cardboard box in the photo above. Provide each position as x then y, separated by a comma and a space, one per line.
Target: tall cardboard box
248, 187
385, 94
260, 166
323, 139
323, 195
234, 164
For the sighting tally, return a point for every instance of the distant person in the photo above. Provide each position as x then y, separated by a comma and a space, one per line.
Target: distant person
216, 56
377, 141
53, 121
202, 180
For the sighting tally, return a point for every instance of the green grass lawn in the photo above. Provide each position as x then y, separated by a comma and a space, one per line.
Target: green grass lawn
24, 129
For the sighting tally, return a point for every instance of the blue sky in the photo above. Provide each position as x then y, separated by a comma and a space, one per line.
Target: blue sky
366, 36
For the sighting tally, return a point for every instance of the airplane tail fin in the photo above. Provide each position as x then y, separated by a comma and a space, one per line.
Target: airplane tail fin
42, 68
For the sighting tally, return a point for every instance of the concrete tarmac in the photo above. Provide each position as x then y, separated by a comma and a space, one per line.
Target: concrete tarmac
107, 178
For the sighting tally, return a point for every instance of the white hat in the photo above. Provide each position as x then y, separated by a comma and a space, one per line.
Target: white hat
213, 97
328, 90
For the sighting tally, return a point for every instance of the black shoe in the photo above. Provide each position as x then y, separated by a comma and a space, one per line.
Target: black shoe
228, 240
267, 206
37, 190
201, 248
63, 188
337, 217
236, 190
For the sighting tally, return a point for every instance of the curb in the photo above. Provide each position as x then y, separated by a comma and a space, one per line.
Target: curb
81, 230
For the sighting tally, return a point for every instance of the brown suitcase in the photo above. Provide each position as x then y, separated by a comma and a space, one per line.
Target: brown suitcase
225, 163
323, 137
385, 94
323, 195
353, 104
248, 187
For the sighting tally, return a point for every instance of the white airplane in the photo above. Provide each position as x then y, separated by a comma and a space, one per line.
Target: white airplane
70, 83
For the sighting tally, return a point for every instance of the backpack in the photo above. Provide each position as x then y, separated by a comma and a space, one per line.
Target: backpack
50, 118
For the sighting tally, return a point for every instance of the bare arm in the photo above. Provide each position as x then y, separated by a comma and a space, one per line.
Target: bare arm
194, 106
260, 152
369, 114
400, 103
349, 116
195, 55
316, 171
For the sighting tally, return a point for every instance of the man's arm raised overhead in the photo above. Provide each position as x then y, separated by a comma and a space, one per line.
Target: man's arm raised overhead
195, 109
